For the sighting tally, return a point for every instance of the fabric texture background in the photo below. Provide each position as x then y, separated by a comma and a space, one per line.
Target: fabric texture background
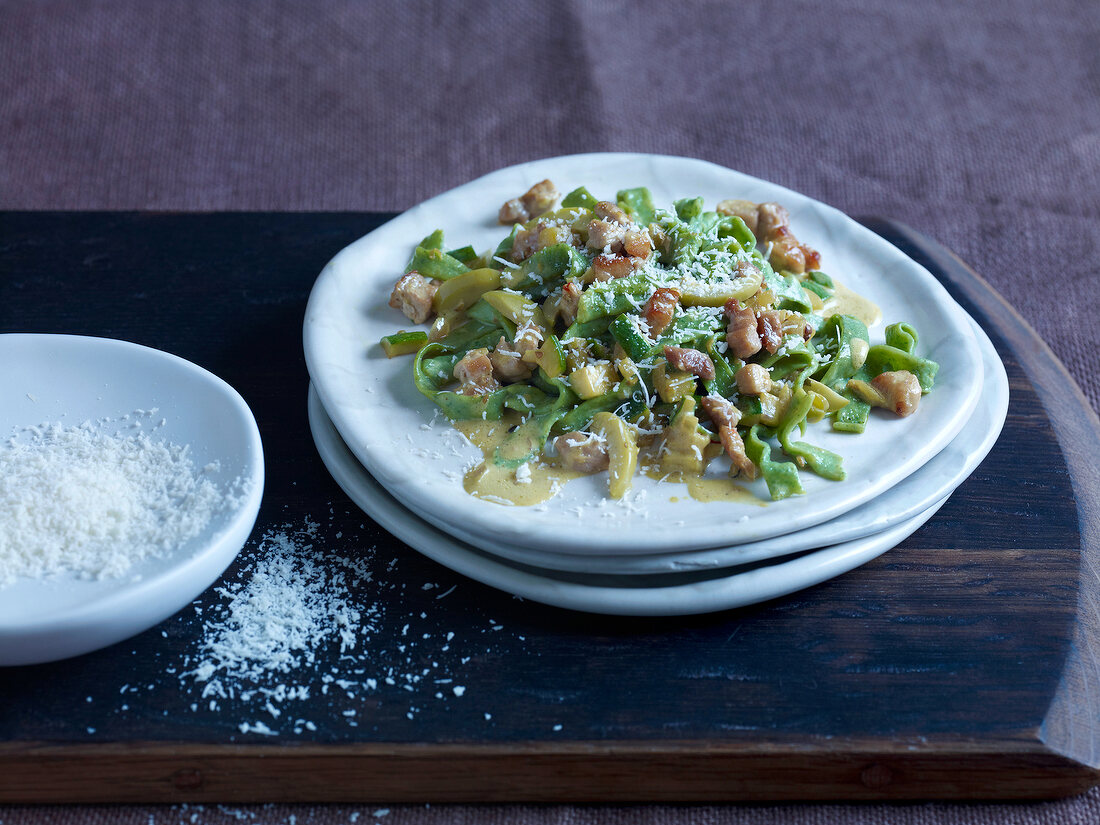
975, 123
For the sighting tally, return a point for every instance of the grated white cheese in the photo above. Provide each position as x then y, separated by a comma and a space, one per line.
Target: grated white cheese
275, 621
256, 727
523, 474
92, 502
304, 628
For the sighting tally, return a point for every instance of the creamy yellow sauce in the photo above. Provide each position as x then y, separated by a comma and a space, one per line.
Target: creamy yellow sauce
721, 489
846, 302
710, 489
699, 487
542, 479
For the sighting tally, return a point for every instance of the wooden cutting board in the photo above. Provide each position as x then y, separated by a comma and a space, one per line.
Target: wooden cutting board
962, 664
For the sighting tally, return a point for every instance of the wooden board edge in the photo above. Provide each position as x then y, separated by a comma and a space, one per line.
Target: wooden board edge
1072, 723
567, 772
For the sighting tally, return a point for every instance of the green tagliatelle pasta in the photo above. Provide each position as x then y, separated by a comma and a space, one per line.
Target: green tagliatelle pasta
695, 327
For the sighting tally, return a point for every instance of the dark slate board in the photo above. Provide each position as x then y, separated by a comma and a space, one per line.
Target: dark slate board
959, 665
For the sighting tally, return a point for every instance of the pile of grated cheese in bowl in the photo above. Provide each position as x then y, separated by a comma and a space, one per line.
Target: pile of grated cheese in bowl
93, 500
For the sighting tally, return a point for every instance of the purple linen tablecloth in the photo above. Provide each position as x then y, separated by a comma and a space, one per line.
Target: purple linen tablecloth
977, 124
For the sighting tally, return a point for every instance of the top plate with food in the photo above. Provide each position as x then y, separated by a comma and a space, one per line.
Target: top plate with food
615, 336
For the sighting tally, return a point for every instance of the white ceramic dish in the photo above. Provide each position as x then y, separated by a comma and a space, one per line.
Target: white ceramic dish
70, 379
933, 482
378, 411
690, 595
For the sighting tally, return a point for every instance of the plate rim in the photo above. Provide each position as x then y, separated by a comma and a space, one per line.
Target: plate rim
816, 567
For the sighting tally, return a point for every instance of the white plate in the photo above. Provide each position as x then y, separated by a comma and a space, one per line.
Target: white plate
934, 481
624, 598
70, 379
379, 413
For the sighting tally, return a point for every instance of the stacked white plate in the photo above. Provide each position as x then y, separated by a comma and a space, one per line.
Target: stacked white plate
657, 552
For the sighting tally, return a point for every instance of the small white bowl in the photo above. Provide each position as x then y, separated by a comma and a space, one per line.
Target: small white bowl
70, 379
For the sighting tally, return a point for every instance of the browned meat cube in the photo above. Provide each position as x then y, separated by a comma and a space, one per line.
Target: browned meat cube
413, 294
741, 333
753, 379
582, 452
786, 255
540, 197
770, 216
611, 212
900, 391
769, 324
475, 372
690, 360
570, 300
636, 242
507, 364
606, 267
660, 309
513, 211
606, 235
725, 417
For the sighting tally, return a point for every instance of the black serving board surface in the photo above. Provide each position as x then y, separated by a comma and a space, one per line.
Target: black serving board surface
959, 665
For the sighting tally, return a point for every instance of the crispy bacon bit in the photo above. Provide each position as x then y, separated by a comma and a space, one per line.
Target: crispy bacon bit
690, 360
786, 255
769, 324
812, 256
753, 379
507, 364
790, 323
721, 411
475, 372
513, 211
773, 227
526, 242
607, 267
726, 417
636, 242
570, 300
541, 235
660, 309
606, 235
528, 337
540, 197
735, 449
741, 333
770, 216
413, 294
582, 452
611, 212
532, 203
900, 390
745, 210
